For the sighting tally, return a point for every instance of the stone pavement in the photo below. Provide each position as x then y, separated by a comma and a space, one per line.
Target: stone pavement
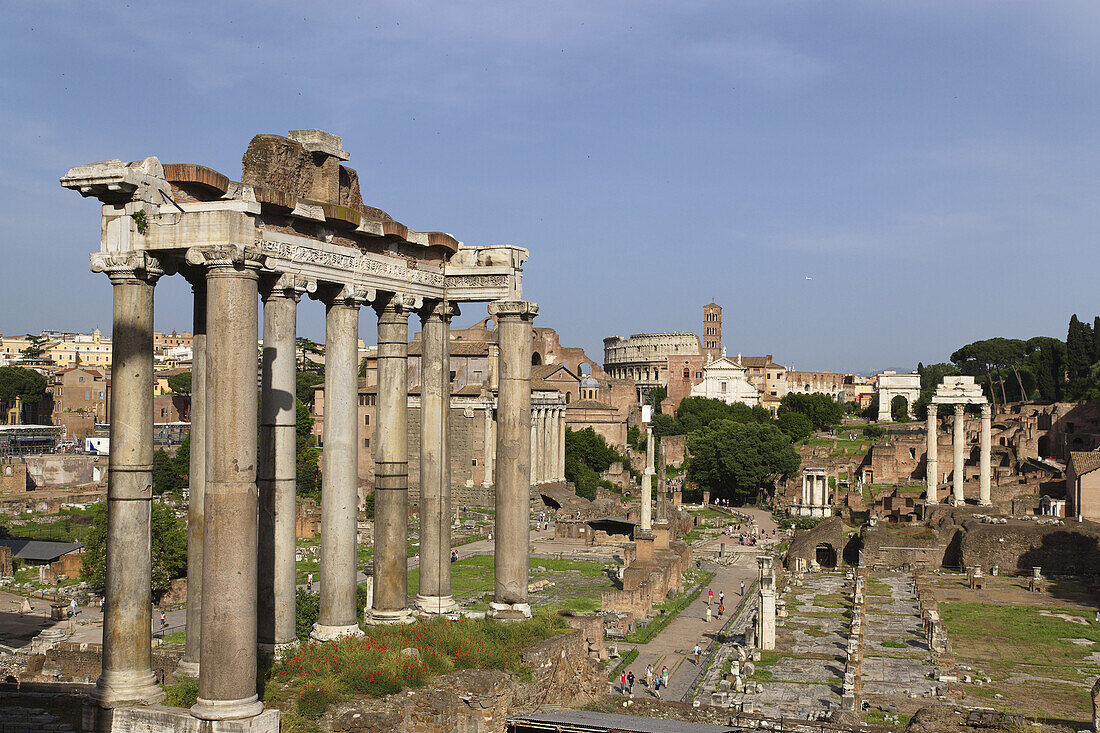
673, 646
890, 671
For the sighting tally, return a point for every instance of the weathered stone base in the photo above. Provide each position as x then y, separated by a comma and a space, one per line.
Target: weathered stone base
156, 719
328, 633
509, 611
374, 617
243, 709
187, 669
436, 604
118, 689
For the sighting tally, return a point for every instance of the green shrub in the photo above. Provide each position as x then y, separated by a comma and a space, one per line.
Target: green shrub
183, 694
313, 702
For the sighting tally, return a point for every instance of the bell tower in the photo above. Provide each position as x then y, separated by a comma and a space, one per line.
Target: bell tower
712, 332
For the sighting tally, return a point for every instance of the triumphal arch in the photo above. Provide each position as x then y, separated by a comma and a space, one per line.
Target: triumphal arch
294, 225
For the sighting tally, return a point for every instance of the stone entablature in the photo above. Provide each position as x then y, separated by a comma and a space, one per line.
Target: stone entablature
815, 499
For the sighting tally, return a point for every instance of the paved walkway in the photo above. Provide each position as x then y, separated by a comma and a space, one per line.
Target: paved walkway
674, 644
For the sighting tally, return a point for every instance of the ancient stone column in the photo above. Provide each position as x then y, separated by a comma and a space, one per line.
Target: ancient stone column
490, 444
278, 467
513, 485
662, 488
983, 456
765, 637
534, 444
932, 464
561, 446
959, 454
647, 484
339, 469
196, 482
391, 472
435, 485
127, 675
227, 659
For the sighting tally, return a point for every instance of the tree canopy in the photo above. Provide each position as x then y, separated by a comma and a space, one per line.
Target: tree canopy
698, 412
169, 537
735, 460
26, 384
795, 425
180, 383
307, 470
822, 410
587, 455
304, 382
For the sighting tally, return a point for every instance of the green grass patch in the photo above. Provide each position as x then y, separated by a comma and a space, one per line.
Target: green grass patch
182, 694
175, 638
891, 644
875, 587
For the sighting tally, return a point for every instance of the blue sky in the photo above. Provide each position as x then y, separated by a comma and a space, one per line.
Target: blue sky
933, 166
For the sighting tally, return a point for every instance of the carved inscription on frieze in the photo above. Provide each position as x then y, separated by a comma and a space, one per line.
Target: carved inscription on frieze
478, 281
361, 263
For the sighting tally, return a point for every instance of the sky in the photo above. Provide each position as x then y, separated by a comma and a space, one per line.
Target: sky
932, 166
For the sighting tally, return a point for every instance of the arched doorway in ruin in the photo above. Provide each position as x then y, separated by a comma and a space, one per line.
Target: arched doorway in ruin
825, 555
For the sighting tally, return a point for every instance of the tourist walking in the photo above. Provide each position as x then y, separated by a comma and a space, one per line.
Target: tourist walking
630, 684
742, 588
696, 651
649, 676
721, 607
721, 597
710, 596
622, 683
664, 676
708, 614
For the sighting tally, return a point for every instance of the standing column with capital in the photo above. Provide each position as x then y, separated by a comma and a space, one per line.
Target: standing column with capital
127, 673
931, 450
278, 466
391, 467
339, 468
647, 483
196, 481
227, 660
959, 454
513, 485
983, 456
435, 470
534, 445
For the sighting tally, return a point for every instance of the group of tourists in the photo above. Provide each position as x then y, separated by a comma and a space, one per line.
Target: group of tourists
653, 681
721, 602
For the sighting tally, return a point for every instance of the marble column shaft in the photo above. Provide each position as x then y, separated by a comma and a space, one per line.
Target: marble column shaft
391, 473
127, 674
983, 456
278, 469
339, 471
435, 474
490, 446
196, 483
959, 454
227, 660
932, 464
513, 485
534, 446
647, 485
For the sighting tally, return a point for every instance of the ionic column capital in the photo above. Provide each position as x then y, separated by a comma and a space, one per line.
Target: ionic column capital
286, 285
443, 310
517, 309
128, 266
400, 304
225, 255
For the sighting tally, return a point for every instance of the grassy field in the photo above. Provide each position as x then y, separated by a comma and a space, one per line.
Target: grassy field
1029, 653
575, 584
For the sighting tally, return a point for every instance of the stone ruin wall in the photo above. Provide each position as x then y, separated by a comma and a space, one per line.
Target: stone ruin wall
479, 701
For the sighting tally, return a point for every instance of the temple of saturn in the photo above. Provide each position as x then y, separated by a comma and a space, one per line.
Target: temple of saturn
294, 225
960, 392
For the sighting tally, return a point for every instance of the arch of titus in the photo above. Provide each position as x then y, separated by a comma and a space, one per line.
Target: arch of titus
960, 392
295, 224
